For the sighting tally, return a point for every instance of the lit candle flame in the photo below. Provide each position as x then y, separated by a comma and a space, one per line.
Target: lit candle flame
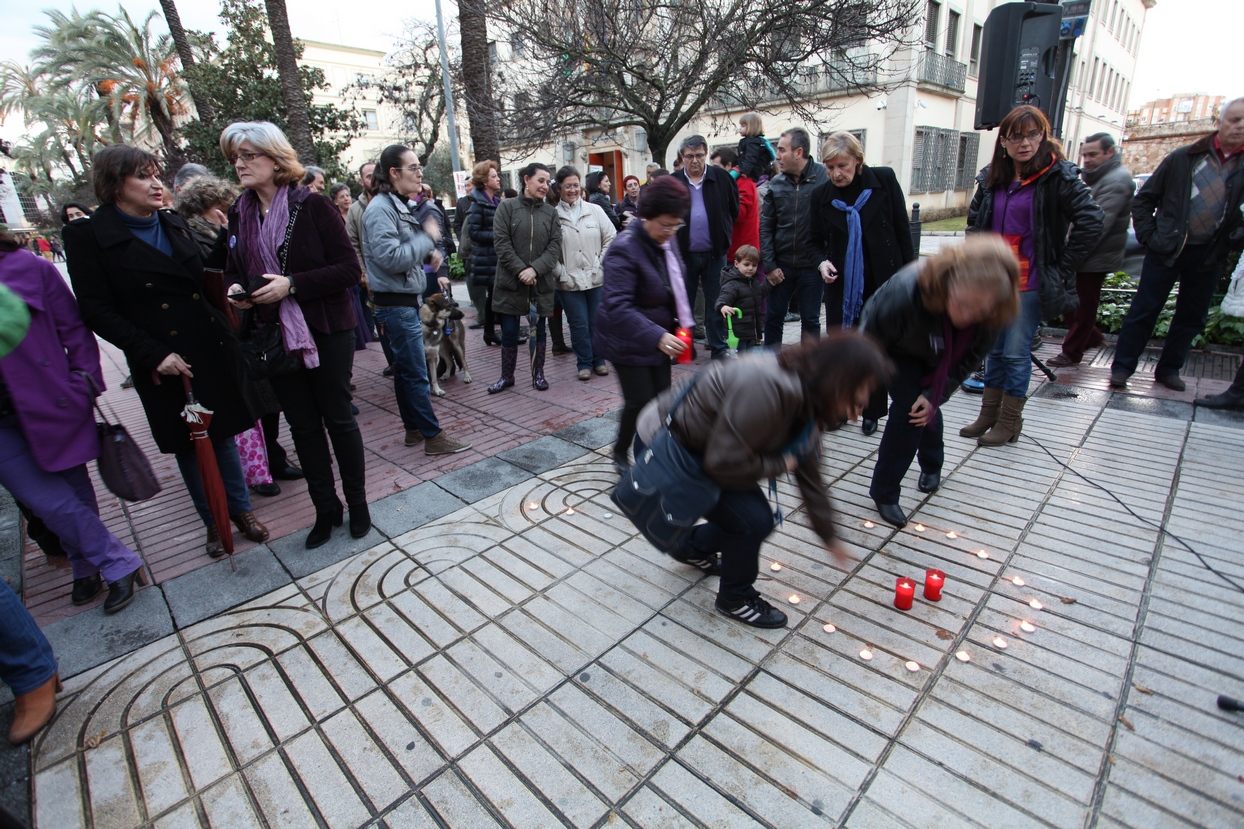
963, 656
533, 505
869, 524
1027, 627
1035, 604
775, 567
1017, 581
830, 629
794, 599
913, 666
999, 642
919, 528
570, 510
982, 554
952, 534
866, 654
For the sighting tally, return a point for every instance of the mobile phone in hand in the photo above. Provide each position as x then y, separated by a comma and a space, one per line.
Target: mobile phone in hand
241, 296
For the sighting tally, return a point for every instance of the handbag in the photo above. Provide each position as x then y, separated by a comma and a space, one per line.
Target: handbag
263, 346
122, 465
666, 491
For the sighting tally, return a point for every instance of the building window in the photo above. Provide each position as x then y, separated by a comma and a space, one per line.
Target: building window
974, 56
493, 58
952, 34
934, 160
931, 21
371, 122
507, 180
862, 136
517, 47
965, 167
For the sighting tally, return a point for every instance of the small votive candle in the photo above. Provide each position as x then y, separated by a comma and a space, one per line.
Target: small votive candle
919, 528
1027, 627
904, 592
1017, 581
982, 554
952, 534
869, 525
999, 642
1035, 604
794, 599
570, 510
775, 567
533, 505
912, 666
830, 629
934, 580
866, 654
963, 656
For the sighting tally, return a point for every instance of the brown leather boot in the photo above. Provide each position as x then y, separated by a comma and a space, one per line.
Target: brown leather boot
250, 526
33, 710
991, 402
1009, 424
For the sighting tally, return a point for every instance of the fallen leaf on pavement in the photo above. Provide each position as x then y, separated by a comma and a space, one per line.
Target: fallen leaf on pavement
1142, 689
944, 635
94, 740
1125, 721
1066, 600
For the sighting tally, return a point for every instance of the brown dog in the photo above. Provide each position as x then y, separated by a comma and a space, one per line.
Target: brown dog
444, 340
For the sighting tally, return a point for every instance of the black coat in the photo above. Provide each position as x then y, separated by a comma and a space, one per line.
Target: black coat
150, 306
480, 213
755, 157
602, 201
721, 203
747, 294
887, 232
896, 316
1062, 202
786, 220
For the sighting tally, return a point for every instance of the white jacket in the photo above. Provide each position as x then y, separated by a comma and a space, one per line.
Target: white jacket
586, 232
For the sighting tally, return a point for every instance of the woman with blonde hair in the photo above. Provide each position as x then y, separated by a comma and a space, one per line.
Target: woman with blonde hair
936, 319
290, 256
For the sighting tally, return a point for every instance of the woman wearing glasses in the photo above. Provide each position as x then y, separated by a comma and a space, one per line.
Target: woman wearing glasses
643, 301
1030, 195
289, 253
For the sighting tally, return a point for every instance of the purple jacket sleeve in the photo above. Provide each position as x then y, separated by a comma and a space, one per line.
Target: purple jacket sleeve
622, 272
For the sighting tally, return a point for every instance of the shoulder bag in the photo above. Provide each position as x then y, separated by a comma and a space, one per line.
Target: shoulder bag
123, 467
263, 346
667, 491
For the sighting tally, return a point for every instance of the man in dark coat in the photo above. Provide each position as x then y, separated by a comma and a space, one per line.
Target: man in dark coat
705, 238
1188, 217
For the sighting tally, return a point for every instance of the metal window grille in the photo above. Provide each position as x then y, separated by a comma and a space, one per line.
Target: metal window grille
934, 159
969, 151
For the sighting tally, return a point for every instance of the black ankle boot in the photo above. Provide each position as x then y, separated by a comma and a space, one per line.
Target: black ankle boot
325, 520
360, 520
892, 513
121, 591
86, 589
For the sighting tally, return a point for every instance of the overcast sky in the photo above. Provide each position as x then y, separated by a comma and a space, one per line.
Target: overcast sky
1187, 46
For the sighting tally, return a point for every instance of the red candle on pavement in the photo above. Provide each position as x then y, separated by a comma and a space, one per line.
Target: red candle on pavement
933, 582
904, 592
685, 336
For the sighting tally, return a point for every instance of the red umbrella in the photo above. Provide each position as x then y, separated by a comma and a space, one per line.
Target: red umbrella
198, 418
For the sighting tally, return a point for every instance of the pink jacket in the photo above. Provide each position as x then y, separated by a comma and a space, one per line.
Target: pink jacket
53, 405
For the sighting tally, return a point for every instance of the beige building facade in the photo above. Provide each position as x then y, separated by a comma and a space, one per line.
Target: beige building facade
1177, 109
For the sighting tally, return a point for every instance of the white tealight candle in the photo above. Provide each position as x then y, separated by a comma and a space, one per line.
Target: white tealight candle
999, 642
1027, 627
982, 554
1017, 581
1035, 604
775, 567
570, 510
830, 628
869, 524
608, 515
963, 656
794, 599
913, 666
919, 528
952, 534
533, 505
866, 654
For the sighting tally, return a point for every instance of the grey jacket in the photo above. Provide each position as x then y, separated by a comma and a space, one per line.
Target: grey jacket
1113, 188
394, 249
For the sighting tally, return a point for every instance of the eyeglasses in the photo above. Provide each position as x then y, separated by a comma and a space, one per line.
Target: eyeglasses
1032, 137
246, 157
671, 228
694, 156
414, 168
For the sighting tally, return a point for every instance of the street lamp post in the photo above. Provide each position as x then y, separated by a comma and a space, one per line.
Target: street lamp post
455, 161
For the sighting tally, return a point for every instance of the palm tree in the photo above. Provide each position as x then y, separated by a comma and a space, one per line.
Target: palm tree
297, 116
202, 104
66, 45
477, 79
19, 89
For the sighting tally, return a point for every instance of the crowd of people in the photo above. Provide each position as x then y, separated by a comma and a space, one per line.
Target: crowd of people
257, 295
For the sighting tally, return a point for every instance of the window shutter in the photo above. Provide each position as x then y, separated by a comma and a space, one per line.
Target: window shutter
918, 162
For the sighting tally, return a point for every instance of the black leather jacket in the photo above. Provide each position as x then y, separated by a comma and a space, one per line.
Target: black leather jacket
1062, 200
1160, 209
896, 316
786, 239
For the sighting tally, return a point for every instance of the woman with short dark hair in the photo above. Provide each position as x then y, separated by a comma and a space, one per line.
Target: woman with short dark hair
137, 272
339, 195
597, 186
586, 234
73, 210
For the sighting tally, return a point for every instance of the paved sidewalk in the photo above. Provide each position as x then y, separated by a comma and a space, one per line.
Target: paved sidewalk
523, 659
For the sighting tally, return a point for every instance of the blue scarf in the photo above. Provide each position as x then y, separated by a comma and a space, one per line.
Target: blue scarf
853, 276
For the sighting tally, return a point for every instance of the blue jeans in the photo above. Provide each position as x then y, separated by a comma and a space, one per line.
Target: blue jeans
230, 465
809, 286
703, 270
510, 326
580, 311
410, 368
1196, 292
26, 659
1009, 365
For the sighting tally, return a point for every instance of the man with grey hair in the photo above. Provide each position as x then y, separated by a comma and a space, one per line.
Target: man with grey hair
790, 259
1188, 218
705, 235
1113, 189
187, 173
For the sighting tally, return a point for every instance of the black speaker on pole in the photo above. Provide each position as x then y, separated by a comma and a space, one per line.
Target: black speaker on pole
1017, 60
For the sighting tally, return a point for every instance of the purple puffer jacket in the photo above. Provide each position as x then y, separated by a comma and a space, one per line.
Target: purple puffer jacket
636, 303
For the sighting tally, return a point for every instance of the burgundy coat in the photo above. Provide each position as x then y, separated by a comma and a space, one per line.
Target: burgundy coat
53, 405
320, 261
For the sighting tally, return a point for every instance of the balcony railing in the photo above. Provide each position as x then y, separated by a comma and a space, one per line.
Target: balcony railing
813, 82
940, 70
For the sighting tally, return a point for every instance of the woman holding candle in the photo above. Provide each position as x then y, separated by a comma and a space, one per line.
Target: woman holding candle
756, 418
935, 318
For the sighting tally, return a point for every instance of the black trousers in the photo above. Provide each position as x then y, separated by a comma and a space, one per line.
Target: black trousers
316, 400
640, 384
901, 441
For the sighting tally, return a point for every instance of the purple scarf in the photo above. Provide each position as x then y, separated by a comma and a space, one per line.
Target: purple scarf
260, 243
673, 263
955, 345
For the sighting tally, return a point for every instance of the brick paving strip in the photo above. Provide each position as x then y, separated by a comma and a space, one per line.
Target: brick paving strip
511, 653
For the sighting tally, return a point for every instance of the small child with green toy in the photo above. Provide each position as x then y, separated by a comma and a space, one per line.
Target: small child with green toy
741, 299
